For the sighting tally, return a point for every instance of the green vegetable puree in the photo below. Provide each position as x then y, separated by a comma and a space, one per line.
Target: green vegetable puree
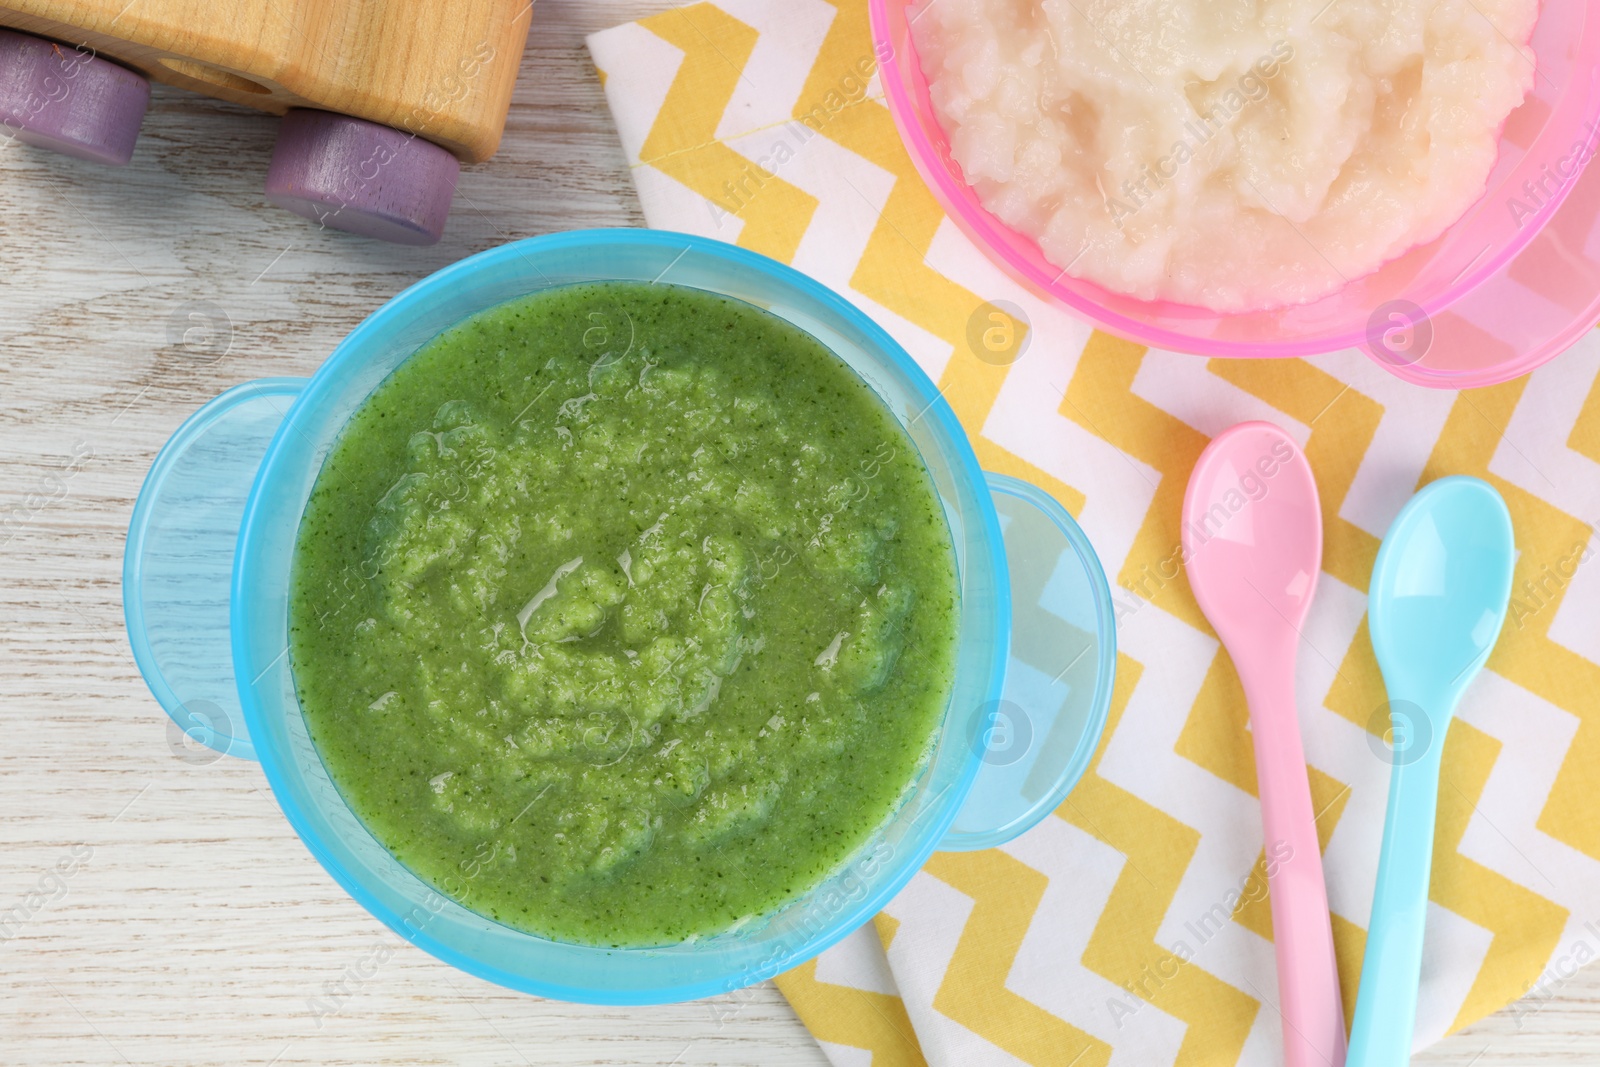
623, 612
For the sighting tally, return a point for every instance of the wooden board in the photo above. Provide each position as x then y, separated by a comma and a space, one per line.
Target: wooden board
201, 929
442, 69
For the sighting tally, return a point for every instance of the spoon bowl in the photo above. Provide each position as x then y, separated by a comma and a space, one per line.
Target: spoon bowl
1441, 587
1252, 534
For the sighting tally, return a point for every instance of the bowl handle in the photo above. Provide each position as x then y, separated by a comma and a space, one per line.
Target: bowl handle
177, 566
1541, 303
1038, 738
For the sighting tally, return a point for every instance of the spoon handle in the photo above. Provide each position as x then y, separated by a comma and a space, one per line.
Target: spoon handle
1302, 933
1386, 1005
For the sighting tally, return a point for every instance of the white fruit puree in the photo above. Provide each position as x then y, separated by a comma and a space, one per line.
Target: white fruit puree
1233, 154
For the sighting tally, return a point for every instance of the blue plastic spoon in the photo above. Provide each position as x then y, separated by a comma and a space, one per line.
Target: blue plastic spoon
1438, 598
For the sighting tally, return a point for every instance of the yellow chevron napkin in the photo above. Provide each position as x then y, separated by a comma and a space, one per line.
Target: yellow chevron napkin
1128, 928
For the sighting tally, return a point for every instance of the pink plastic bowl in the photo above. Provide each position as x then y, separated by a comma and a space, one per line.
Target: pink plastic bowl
1502, 291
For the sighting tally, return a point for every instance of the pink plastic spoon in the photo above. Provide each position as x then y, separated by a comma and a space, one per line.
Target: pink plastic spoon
1252, 544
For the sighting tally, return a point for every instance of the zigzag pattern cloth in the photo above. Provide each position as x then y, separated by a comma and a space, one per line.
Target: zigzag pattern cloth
1131, 927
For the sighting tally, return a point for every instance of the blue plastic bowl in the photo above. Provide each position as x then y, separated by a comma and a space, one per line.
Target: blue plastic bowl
206, 592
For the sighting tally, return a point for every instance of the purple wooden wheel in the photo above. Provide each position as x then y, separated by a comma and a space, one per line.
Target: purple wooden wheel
362, 177
70, 100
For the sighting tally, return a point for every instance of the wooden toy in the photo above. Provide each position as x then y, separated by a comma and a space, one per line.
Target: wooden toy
382, 99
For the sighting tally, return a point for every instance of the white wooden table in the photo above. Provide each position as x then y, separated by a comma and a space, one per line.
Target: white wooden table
196, 929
